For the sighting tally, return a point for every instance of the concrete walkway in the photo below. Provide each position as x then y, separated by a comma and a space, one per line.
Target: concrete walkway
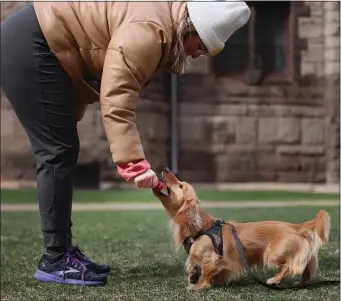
267, 186
157, 206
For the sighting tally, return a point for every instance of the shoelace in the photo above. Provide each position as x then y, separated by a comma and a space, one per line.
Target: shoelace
74, 262
80, 254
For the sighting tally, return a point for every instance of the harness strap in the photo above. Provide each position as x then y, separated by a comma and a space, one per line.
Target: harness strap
188, 242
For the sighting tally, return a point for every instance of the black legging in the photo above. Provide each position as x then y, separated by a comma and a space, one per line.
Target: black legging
41, 95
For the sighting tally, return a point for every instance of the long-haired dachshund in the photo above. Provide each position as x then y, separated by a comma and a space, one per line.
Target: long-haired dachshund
291, 247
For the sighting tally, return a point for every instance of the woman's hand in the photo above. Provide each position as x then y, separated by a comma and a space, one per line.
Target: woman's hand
139, 172
147, 180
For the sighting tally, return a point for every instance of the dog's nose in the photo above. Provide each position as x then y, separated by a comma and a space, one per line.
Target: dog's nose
166, 169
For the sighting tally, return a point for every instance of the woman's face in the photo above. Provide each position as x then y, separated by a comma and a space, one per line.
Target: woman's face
193, 46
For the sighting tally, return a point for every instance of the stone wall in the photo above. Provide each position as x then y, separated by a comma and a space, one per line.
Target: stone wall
331, 55
229, 130
284, 132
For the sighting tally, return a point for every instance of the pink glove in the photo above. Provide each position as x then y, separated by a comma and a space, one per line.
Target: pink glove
140, 172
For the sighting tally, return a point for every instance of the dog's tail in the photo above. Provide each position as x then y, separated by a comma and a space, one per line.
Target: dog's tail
320, 226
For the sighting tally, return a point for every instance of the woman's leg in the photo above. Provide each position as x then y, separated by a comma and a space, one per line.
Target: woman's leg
41, 95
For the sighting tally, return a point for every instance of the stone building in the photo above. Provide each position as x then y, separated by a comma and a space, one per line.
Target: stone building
267, 109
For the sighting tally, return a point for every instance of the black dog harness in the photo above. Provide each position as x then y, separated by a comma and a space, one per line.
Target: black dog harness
215, 233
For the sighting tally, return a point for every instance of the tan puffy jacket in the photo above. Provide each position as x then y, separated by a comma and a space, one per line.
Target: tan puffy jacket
120, 44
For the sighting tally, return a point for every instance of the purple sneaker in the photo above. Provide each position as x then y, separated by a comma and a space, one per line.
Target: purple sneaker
67, 269
86, 261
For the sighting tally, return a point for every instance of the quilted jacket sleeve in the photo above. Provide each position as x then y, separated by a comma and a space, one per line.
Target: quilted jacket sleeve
132, 58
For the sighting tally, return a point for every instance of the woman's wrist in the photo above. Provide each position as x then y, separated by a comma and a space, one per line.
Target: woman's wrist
129, 171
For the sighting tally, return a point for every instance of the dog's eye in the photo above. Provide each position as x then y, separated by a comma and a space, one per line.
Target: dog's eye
181, 186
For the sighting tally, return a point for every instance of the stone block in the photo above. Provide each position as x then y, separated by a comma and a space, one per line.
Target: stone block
313, 131
221, 130
279, 130
87, 129
232, 109
236, 167
331, 68
308, 68
8, 119
196, 166
320, 69
332, 16
192, 109
314, 5
194, 145
331, 29
301, 150
302, 9
198, 175
192, 129
331, 6
278, 162
237, 177
306, 111
315, 52
266, 110
250, 150
313, 164
99, 131
304, 21
246, 130
152, 126
332, 42
231, 87
316, 13
310, 31
332, 55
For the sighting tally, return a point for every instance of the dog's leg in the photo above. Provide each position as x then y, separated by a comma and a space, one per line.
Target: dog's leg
309, 272
208, 271
278, 278
193, 271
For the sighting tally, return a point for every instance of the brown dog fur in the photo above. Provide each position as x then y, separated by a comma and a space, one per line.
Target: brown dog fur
291, 247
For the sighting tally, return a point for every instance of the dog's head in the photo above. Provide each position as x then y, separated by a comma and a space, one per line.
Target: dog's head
180, 195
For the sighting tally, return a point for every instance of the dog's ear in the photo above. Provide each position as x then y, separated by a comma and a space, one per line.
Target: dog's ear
189, 194
188, 220
188, 213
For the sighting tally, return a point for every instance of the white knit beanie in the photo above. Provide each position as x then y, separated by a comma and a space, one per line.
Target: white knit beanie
216, 21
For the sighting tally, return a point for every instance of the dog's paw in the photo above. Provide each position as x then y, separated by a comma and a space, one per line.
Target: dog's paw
190, 287
199, 286
271, 281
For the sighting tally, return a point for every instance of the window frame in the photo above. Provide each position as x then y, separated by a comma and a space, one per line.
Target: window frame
286, 77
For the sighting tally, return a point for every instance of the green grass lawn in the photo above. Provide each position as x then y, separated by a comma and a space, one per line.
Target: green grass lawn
146, 195
145, 265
